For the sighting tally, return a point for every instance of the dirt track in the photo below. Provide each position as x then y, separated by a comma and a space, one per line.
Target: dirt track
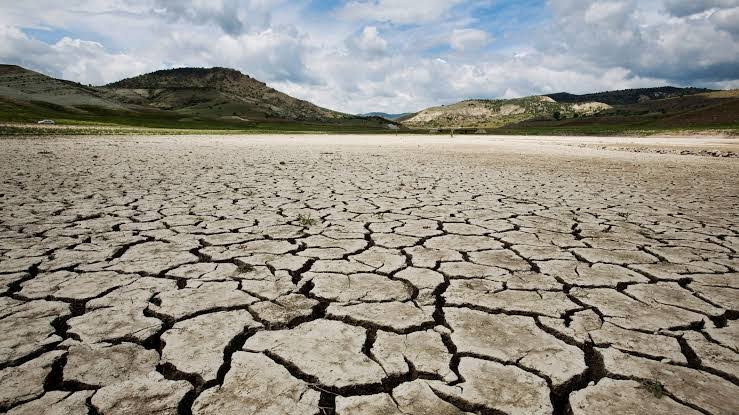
368, 275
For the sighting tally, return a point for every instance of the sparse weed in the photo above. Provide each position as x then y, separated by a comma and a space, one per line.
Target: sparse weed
624, 215
244, 268
380, 215
655, 387
307, 220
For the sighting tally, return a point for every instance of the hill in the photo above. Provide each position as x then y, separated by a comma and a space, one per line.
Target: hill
611, 112
216, 92
495, 113
20, 84
628, 96
190, 98
717, 111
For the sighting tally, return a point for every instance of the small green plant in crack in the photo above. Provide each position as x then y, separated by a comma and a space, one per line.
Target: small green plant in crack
655, 387
624, 215
380, 215
244, 268
307, 220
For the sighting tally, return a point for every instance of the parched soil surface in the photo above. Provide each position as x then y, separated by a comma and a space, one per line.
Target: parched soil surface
366, 275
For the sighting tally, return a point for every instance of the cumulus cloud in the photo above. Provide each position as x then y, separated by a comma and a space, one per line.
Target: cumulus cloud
727, 20
369, 41
224, 13
233, 17
397, 11
620, 33
409, 83
683, 8
69, 58
611, 12
469, 39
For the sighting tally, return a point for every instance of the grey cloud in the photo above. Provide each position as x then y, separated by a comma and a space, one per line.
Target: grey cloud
683, 8
727, 20
274, 54
234, 17
397, 11
619, 33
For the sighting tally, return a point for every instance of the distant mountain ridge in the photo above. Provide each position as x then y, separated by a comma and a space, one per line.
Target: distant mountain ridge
628, 96
385, 115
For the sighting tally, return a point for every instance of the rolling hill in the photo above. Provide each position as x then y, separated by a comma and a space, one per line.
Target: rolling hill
23, 85
213, 98
664, 108
628, 96
219, 92
718, 110
496, 113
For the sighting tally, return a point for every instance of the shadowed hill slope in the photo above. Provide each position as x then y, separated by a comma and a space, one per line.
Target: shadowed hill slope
20, 84
628, 96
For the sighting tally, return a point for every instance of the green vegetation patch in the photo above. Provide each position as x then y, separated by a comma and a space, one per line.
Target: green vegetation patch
655, 387
307, 220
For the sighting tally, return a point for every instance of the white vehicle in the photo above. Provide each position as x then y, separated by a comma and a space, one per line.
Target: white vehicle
46, 122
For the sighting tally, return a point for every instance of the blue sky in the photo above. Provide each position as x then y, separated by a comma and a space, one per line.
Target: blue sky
386, 55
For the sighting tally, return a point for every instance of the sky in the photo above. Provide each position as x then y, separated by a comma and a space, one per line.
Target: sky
393, 56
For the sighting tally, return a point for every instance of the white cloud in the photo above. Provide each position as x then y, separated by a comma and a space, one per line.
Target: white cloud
627, 34
469, 39
68, 58
683, 8
267, 55
369, 41
612, 12
395, 83
397, 11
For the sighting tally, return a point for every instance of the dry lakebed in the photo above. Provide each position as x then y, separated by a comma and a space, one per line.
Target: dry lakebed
369, 275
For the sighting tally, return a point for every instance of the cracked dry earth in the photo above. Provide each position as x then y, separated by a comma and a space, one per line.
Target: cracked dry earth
355, 275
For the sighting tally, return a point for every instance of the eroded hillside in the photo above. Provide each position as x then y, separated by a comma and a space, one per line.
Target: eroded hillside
496, 113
